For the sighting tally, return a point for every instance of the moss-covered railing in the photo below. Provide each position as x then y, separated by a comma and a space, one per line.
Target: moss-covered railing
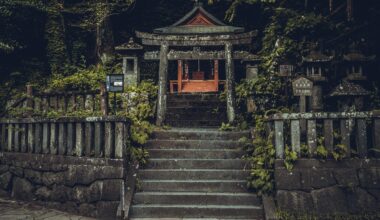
101, 137
325, 134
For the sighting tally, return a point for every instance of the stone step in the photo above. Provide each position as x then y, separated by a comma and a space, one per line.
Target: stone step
199, 116
216, 123
191, 97
199, 134
166, 163
199, 198
193, 174
196, 153
193, 186
192, 144
197, 211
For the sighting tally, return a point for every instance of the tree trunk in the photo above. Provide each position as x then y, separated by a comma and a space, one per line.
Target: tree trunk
104, 38
56, 48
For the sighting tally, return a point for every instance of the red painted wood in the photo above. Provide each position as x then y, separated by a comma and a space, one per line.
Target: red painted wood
200, 19
180, 72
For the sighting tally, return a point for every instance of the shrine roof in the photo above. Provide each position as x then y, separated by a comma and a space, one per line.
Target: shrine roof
198, 21
347, 88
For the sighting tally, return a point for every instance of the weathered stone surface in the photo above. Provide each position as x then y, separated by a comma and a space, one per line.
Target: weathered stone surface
361, 201
346, 177
107, 210
86, 174
375, 193
18, 171
43, 193
3, 168
61, 193
294, 201
111, 190
88, 210
33, 176
4, 193
316, 179
22, 189
287, 180
329, 200
84, 194
370, 178
5, 180
49, 178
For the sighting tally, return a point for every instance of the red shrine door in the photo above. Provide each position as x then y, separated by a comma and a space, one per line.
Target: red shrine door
192, 81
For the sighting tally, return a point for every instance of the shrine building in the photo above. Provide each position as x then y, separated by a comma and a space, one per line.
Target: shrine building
205, 51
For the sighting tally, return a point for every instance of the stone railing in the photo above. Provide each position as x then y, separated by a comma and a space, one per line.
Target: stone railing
62, 102
357, 131
101, 137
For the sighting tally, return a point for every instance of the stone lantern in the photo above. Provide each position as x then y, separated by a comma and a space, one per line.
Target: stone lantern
354, 63
349, 96
132, 56
316, 65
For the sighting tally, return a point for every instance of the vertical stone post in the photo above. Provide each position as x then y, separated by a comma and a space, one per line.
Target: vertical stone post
162, 81
279, 139
312, 136
79, 136
230, 83
53, 138
17, 138
328, 133
361, 138
108, 139
23, 140
29, 100
45, 138
10, 137
295, 136
316, 98
103, 100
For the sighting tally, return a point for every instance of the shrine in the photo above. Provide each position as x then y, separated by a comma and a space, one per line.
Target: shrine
203, 49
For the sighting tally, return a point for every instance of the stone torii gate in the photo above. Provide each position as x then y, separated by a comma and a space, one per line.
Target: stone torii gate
185, 40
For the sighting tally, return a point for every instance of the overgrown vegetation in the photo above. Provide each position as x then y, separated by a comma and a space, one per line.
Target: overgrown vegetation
283, 215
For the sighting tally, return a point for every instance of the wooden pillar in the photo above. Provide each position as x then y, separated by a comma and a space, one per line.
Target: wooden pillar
29, 100
230, 83
216, 74
180, 73
103, 99
162, 81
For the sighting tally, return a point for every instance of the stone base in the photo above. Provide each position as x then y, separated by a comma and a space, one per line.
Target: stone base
85, 186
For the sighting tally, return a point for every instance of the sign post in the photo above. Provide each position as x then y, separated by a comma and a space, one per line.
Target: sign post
302, 87
115, 84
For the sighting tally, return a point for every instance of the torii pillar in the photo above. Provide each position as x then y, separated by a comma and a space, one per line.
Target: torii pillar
230, 83
162, 82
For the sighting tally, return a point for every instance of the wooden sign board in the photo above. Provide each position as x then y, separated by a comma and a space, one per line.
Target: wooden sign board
302, 87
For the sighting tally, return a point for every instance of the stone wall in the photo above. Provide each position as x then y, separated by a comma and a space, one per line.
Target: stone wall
85, 186
351, 186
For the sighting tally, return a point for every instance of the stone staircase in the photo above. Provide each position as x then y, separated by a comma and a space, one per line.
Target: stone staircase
195, 173
195, 110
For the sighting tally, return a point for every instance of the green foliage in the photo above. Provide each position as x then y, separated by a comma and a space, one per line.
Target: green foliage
285, 215
321, 150
260, 156
339, 152
83, 80
226, 127
139, 154
290, 158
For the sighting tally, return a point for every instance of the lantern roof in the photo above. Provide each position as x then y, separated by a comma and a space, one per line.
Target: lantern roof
347, 88
198, 21
130, 46
316, 56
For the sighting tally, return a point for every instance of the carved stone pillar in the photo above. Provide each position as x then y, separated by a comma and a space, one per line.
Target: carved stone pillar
230, 83
162, 82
